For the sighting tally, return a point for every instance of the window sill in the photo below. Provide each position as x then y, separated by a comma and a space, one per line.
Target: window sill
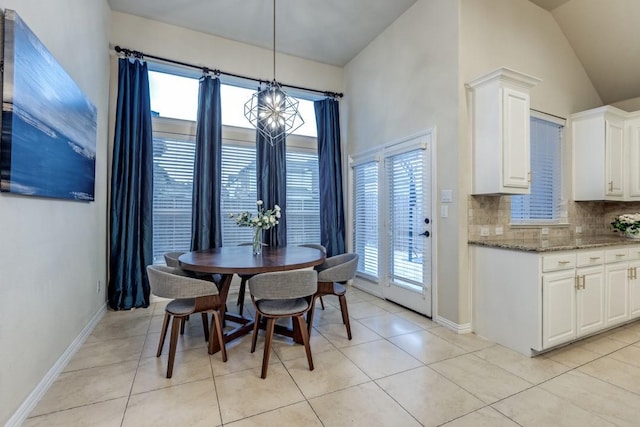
539, 225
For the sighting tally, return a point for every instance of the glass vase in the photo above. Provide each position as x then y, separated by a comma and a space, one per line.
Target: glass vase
257, 241
632, 234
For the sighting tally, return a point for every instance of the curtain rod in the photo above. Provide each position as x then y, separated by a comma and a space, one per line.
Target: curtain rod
141, 55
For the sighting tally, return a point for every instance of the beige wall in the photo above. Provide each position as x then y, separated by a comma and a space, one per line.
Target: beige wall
52, 252
197, 48
403, 83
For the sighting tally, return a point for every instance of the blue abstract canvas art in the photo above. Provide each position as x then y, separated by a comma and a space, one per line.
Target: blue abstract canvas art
48, 145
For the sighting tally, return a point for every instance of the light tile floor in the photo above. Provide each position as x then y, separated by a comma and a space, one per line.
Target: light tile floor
400, 369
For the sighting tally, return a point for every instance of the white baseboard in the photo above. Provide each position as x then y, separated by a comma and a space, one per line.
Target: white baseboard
21, 414
465, 328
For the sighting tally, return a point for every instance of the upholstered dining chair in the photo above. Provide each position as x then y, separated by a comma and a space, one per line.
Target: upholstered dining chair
190, 295
282, 294
171, 259
243, 282
320, 248
336, 269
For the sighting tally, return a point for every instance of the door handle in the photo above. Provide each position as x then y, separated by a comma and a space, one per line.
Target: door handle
426, 233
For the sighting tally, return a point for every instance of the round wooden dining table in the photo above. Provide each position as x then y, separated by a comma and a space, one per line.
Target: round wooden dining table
230, 260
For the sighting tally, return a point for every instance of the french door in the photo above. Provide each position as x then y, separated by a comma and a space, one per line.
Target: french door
406, 228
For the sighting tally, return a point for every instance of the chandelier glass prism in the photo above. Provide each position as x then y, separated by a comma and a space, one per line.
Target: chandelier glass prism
271, 111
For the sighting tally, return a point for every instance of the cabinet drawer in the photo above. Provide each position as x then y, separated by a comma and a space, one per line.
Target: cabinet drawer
560, 261
590, 258
616, 255
634, 252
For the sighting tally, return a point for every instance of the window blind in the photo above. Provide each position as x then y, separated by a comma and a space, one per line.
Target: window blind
365, 217
544, 203
239, 192
173, 183
172, 188
405, 184
303, 198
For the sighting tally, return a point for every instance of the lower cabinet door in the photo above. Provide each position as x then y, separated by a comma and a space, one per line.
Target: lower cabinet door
590, 300
634, 290
558, 308
616, 293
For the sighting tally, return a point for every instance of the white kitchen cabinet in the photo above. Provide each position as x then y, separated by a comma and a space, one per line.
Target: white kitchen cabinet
573, 299
616, 293
606, 152
499, 114
634, 290
590, 298
558, 308
535, 301
632, 138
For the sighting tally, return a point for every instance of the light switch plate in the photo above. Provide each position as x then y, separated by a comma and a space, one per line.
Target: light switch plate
578, 229
484, 231
544, 231
444, 211
499, 231
446, 196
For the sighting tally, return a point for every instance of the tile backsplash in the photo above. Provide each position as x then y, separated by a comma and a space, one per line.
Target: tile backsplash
488, 213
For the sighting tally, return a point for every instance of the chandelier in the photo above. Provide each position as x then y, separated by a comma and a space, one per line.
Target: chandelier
271, 111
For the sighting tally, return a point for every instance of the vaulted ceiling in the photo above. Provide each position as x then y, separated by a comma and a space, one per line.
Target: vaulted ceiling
604, 34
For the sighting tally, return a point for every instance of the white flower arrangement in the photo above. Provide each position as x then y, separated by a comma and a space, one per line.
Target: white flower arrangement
627, 223
263, 220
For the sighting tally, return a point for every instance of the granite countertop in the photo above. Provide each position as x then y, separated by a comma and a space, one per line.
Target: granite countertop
547, 245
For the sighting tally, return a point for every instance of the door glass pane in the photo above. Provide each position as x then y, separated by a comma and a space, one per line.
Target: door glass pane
406, 193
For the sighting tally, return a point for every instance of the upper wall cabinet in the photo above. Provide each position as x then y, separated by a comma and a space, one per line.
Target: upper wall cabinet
606, 155
499, 108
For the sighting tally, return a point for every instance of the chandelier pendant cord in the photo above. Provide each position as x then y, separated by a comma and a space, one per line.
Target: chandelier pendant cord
274, 40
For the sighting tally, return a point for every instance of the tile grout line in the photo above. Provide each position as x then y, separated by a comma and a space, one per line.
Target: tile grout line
126, 406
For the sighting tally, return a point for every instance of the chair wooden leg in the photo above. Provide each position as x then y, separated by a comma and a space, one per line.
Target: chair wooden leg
305, 340
345, 314
163, 334
216, 327
271, 323
183, 320
241, 292
310, 315
256, 326
205, 326
175, 327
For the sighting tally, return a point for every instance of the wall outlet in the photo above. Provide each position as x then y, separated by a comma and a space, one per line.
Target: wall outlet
544, 231
578, 229
499, 231
484, 231
99, 286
